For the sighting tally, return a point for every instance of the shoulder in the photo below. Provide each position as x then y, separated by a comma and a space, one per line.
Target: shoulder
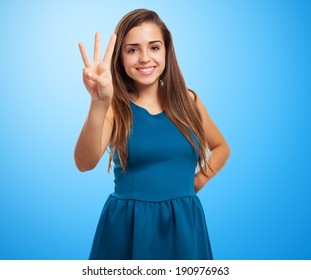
197, 101
192, 95
200, 106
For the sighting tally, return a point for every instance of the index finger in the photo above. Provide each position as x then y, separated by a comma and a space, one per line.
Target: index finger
109, 50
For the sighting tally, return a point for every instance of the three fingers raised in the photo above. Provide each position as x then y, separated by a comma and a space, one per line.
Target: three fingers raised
108, 54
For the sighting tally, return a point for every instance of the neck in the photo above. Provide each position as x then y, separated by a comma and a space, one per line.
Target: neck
148, 93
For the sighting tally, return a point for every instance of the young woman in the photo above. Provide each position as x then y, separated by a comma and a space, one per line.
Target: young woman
158, 131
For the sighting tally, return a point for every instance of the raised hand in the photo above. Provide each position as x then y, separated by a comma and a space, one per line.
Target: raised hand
97, 76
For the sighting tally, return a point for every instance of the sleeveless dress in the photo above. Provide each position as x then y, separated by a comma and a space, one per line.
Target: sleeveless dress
153, 213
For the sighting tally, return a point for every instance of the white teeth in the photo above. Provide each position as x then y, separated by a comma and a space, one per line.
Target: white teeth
145, 69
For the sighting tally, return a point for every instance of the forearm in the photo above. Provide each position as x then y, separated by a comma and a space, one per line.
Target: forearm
216, 161
88, 147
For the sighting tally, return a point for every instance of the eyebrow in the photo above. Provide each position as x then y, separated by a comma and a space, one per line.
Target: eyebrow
151, 42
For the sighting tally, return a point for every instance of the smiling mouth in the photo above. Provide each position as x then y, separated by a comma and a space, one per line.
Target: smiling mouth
146, 70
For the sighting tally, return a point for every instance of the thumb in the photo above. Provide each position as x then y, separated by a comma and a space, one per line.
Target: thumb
92, 76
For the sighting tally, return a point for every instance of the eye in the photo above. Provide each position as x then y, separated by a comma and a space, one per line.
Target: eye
132, 50
155, 48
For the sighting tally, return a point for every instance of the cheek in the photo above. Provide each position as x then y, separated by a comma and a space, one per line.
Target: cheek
160, 58
128, 63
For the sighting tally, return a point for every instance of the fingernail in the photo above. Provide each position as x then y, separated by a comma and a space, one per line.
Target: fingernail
89, 74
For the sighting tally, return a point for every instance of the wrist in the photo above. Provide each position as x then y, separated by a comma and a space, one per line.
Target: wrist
101, 103
198, 183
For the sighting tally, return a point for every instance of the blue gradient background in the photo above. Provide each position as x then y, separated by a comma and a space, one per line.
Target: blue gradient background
250, 63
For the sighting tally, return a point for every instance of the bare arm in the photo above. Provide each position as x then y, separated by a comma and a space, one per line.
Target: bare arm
219, 149
96, 132
94, 137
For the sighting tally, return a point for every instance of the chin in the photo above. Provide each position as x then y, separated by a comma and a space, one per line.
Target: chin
146, 83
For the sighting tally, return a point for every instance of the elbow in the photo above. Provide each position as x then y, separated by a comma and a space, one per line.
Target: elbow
83, 166
227, 150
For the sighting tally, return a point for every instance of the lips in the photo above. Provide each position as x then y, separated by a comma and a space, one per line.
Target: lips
146, 70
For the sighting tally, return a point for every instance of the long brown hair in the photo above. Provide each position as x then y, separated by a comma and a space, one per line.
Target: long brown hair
174, 97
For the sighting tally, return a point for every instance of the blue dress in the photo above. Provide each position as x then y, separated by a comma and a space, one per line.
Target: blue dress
153, 213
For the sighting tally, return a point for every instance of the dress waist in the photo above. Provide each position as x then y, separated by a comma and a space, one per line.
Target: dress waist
148, 198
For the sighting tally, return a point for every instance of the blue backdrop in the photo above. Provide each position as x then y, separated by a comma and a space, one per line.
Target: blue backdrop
250, 63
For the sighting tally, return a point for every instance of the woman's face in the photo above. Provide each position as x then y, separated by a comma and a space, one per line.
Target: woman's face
143, 54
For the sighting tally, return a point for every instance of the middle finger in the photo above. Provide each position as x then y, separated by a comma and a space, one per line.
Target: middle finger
97, 48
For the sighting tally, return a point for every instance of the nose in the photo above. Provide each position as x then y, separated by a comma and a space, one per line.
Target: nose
144, 57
